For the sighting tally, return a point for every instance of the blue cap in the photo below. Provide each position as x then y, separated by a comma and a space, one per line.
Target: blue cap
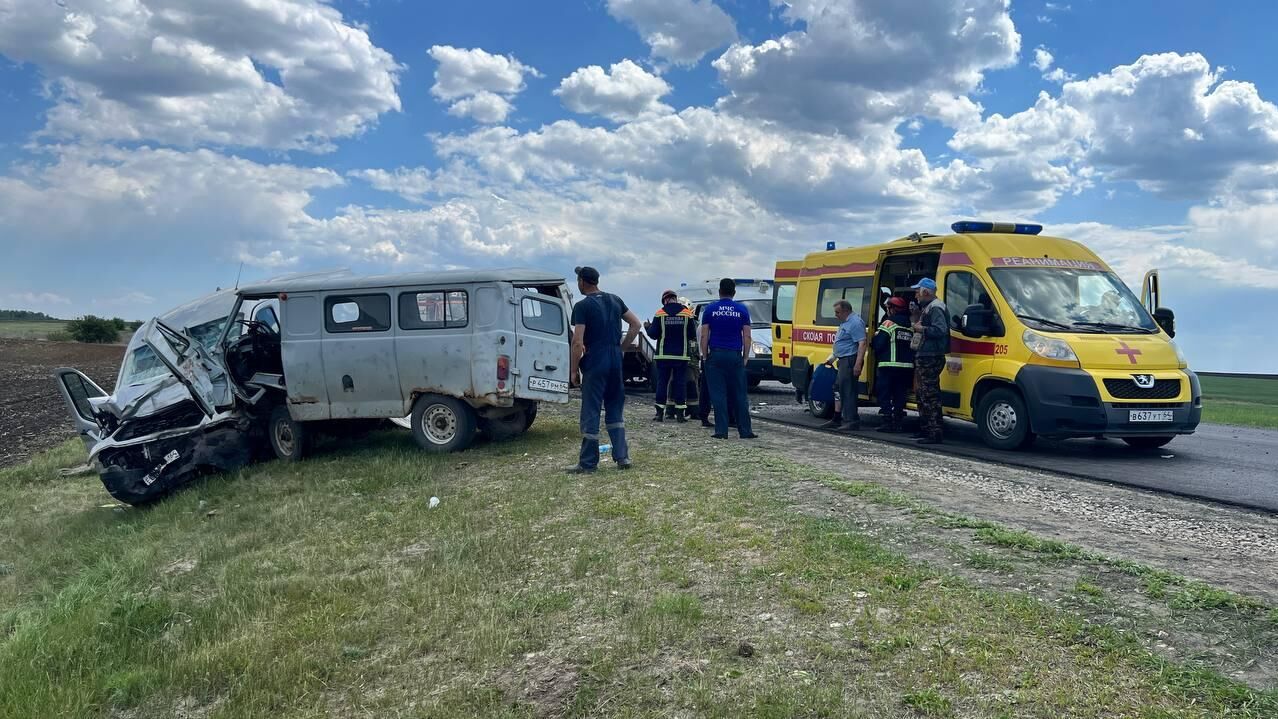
927, 283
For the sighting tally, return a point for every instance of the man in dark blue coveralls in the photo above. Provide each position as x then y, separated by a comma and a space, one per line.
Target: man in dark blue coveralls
725, 346
596, 354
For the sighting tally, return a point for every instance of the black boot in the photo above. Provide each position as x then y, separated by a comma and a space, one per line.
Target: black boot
661, 414
681, 415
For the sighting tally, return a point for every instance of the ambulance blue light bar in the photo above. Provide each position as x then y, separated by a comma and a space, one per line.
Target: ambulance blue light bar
1010, 228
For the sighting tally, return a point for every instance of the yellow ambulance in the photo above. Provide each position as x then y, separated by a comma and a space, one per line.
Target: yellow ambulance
1045, 339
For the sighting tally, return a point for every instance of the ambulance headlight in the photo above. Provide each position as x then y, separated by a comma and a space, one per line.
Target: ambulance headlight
1180, 356
1049, 347
759, 349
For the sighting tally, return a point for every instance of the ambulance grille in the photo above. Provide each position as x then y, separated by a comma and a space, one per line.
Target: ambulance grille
1127, 389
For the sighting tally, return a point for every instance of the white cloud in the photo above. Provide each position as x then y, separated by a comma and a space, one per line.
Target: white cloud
1042, 59
478, 84
262, 73
859, 64
1058, 75
679, 31
1167, 122
36, 299
624, 92
483, 106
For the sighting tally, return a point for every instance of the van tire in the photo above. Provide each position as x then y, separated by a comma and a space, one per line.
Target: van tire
820, 410
290, 439
1003, 420
443, 424
508, 426
1146, 442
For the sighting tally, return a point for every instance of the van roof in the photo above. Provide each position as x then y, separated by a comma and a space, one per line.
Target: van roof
519, 275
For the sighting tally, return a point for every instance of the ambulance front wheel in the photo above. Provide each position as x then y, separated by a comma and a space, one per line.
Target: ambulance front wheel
1003, 420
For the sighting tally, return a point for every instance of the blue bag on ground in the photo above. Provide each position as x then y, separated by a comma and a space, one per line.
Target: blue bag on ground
822, 387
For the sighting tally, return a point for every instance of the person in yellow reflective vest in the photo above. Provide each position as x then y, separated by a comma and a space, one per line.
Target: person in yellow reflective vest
674, 327
895, 358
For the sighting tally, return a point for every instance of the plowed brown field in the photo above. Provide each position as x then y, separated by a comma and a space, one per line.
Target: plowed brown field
32, 413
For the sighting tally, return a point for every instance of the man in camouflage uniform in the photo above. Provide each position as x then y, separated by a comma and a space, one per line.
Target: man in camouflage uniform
929, 359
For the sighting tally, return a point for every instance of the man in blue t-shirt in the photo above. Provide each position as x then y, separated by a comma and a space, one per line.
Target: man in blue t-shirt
849, 351
725, 349
596, 354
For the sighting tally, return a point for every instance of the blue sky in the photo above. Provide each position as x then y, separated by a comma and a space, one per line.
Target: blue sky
149, 147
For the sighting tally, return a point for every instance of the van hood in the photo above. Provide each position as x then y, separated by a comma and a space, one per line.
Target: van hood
1125, 352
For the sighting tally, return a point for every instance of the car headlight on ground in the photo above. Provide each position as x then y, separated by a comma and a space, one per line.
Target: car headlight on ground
759, 349
1050, 348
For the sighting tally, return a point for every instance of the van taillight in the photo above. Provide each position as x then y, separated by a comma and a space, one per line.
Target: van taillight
503, 371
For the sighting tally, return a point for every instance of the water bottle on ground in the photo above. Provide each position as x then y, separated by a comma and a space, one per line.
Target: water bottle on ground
604, 449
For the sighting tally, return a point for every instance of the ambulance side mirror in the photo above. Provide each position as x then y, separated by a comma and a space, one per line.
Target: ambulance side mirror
1166, 319
977, 321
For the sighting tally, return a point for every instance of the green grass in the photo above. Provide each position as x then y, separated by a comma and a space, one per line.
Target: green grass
329, 588
1246, 401
22, 329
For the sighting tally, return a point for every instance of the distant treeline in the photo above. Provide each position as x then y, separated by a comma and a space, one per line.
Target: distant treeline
26, 316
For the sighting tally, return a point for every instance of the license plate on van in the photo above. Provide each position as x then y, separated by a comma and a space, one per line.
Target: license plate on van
547, 385
1149, 415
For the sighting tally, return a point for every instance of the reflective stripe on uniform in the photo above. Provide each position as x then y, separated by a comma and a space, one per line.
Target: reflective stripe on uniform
684, 315
891, 329
616, 425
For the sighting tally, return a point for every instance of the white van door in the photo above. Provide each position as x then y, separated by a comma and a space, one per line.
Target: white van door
76, 391
1149, 291
360, 370
541, 358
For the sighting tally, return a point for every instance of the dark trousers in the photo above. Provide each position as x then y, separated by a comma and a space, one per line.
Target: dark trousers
672, 383
703, 394
928, 372
726, 379
893, 384
602, 388
846, 383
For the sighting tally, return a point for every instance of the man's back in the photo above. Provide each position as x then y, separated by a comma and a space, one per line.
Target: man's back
600, 313
725, 319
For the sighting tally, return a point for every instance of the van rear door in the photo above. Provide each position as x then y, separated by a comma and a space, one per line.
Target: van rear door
784, 285
541, 357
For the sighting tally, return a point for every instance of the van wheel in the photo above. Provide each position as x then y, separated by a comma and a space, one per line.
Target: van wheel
443, 424
290, 439
1146, 442
530, 414
820, 410
1003, 420
508, 426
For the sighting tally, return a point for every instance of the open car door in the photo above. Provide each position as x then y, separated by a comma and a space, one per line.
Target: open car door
1151, 298
542, 354
76, 390
1149, 291
183, 358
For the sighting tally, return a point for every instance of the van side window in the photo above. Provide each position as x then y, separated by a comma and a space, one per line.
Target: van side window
357, 313
783, 302
435, 310
961, 290
266, 315
852, 289
542, 316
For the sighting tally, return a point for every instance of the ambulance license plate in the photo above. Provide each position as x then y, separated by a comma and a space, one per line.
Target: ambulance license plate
547, 385
1149, 415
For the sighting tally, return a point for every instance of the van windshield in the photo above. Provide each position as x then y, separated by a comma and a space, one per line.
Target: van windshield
1071, 300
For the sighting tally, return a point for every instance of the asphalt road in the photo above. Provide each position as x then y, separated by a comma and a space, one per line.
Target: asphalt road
1232, 465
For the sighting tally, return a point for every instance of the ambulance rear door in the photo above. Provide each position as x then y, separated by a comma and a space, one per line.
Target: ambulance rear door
784, 288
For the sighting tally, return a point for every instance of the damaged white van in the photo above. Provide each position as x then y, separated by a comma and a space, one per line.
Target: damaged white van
210, 385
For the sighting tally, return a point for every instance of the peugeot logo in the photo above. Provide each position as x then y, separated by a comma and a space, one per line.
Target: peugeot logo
1144, 381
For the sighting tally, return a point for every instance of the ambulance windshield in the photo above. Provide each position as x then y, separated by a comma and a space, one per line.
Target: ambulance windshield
1071, 300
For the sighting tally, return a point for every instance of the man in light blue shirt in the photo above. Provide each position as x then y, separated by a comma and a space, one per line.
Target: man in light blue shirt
849, 351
